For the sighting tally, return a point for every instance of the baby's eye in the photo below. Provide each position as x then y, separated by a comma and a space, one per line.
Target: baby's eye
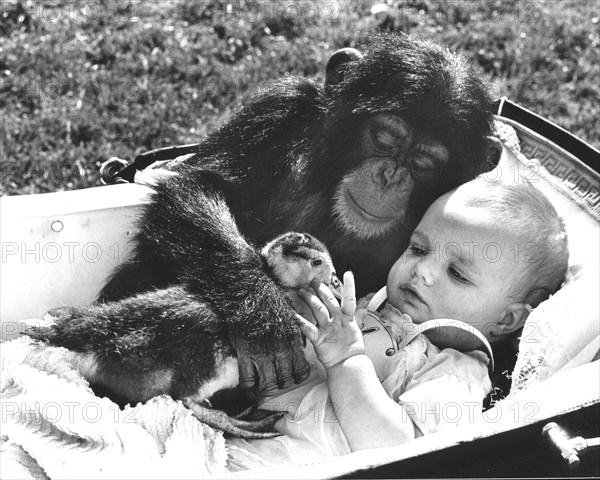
416, 250
316, 263
454, 273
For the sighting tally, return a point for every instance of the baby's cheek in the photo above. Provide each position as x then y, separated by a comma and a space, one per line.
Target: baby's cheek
471, 310
450, 305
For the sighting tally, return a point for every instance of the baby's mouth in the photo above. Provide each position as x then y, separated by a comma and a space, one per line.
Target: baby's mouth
411, 295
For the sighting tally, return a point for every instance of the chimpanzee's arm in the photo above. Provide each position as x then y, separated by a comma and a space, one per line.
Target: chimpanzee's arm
188, 231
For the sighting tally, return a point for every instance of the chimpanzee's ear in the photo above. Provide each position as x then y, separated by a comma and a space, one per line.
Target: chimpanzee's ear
494, 150
493, 154
336, 66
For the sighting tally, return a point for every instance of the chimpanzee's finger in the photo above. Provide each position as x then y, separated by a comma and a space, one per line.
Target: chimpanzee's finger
248, 376
348, 297
267, 377
284, 366
300, 364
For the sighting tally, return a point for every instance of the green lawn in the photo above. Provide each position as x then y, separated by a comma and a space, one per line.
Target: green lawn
83, 81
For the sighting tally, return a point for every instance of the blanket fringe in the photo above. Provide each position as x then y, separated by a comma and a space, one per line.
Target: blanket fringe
55, 427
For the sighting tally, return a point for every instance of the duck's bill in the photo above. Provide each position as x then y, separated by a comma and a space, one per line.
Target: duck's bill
337, 291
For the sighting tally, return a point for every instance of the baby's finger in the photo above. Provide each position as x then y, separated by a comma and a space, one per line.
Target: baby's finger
349, 295
325, 295
301, 307
308, 329
319, 311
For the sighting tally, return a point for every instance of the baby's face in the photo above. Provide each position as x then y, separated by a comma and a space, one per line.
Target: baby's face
459, 265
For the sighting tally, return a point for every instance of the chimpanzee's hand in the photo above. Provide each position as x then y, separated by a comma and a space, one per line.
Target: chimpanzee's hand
265, 370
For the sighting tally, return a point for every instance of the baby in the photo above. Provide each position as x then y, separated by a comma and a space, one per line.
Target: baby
484, 254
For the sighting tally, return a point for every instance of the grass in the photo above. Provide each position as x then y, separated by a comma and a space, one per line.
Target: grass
84, 81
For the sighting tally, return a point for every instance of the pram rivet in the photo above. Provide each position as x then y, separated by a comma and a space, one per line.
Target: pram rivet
110, 168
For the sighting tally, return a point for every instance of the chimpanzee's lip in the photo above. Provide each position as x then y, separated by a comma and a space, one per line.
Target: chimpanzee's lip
369, 215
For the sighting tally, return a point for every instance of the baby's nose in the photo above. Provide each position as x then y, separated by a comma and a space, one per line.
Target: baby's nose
425, 270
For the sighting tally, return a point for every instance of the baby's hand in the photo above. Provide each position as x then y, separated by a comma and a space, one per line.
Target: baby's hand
336, 335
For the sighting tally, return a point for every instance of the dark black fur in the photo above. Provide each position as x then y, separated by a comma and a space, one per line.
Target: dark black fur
287, 145
172, 328
167, 329
292, 141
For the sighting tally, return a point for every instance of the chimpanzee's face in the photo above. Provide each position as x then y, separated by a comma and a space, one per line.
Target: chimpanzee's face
391, 159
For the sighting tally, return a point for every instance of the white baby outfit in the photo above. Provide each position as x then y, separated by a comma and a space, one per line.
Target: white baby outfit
439, 389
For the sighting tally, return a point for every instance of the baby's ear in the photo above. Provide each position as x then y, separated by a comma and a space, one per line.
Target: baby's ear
513, 319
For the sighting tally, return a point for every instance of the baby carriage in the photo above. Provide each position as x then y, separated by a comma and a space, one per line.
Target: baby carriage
58, 248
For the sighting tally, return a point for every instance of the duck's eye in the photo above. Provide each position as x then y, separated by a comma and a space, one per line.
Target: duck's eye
335, 280
316, 263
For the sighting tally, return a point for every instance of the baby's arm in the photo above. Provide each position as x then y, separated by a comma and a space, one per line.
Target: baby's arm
367, 416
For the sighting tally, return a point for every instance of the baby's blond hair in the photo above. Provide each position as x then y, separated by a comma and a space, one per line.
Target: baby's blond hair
526, 211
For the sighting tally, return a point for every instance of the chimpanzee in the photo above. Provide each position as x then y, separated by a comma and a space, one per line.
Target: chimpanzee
355, 162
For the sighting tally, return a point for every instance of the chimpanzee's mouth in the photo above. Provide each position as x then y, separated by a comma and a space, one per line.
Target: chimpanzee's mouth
364, 213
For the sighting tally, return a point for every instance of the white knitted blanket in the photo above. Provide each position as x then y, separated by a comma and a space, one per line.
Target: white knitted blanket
53, 426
